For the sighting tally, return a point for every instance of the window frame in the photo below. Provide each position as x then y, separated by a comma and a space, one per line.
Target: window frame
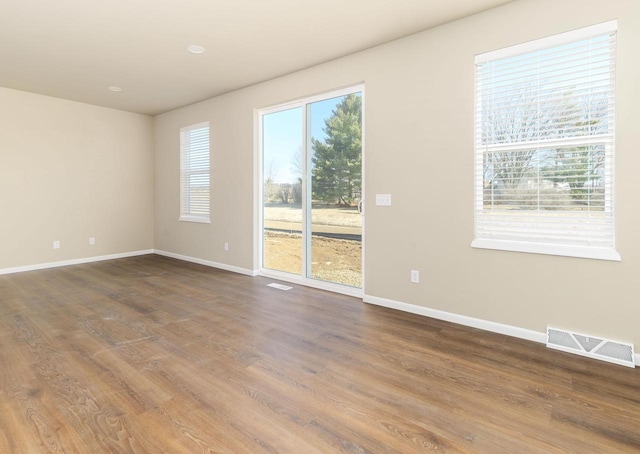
530, 245
186, 170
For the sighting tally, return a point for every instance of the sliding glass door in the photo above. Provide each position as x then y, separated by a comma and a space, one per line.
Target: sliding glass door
282, 241
312, 189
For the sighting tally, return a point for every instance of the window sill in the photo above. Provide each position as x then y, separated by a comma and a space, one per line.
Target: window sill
549, 249
197, 219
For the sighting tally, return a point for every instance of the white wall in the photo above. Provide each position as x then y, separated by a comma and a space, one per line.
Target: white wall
71, 171
419, 148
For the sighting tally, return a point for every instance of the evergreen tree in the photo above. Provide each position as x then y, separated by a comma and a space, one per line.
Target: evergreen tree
337, 161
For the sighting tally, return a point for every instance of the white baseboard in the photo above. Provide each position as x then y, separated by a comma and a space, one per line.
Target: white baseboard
494, 327
100, 258
222, 266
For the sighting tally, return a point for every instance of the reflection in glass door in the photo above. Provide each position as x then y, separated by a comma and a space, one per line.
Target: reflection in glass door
312, 189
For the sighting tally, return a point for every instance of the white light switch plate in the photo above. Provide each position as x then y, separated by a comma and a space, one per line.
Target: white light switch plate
383, 200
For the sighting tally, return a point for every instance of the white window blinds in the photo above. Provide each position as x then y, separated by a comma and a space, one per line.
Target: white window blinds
194, 173
544, 141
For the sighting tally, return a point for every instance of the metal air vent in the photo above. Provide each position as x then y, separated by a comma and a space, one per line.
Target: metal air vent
591, 346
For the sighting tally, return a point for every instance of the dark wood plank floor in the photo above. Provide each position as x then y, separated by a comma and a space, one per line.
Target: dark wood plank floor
150, 354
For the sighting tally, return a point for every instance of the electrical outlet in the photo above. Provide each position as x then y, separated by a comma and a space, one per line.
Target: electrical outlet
92, 241
56, 244
226, 247
415, 276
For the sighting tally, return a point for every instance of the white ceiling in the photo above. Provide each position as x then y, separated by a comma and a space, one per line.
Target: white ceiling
75, 49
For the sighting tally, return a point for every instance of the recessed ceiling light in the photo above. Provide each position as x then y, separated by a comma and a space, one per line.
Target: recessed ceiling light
114, 88
195, 49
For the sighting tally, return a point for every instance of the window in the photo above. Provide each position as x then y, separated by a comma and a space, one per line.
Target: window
194, 173
544, 145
